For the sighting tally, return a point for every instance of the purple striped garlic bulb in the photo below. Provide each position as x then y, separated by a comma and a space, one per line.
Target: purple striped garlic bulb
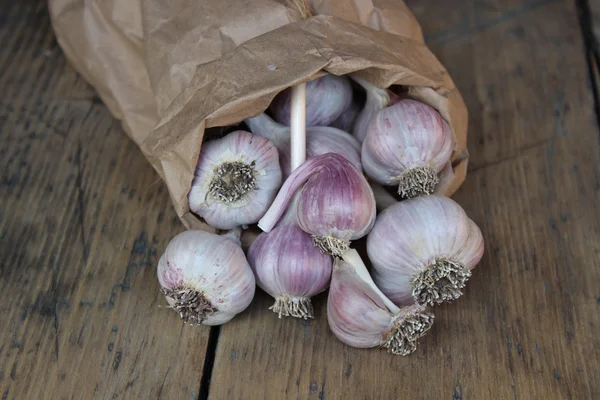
424, 249
405, 143
361, 316
236, 179
289, 268
335, 203
205, 277
327, 98
319, 140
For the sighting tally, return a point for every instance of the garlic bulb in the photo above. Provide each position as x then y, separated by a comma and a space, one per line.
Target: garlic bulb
361, 316
235, 181
327, 98
346, 121
407, 144
424, 249
319, 140
335, 202
205, 277
289, 268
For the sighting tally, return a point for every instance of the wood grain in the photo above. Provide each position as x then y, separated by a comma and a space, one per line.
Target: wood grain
82, 222
528, 326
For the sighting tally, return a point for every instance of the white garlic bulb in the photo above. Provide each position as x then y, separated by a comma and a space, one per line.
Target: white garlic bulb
205, 277
347, 120
424, 249
407, 144
335, 202
236, 180
327, 98
361, 316
289, 268
319, 140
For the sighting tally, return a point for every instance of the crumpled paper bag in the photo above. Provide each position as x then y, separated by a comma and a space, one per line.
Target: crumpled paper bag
170, 70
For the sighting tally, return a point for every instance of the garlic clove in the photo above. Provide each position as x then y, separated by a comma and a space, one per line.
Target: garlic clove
327, 98
424, 249
205, 277
235, 181
407, 144
361, 316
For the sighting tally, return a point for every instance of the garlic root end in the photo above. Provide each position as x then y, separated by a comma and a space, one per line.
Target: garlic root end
331, 245
299, 307
402, 339
193, 307
417, 181
442, 280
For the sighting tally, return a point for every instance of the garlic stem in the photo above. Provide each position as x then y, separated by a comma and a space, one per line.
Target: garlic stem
353, 258
377, 98
298, 125
265, 126
234, 234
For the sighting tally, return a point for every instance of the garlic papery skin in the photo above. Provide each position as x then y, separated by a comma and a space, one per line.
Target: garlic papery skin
327, 98
424, 249
361, 316
335, 202
236, 180
407, 144
289, 268
319, 140
205, 277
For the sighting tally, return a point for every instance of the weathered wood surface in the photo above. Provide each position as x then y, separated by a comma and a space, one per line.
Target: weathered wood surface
528, 326
83, 218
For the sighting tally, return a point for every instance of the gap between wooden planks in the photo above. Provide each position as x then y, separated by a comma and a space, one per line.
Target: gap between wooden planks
527, 327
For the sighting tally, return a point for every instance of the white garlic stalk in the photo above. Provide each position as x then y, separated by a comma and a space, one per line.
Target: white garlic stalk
361, 316
236, 180
289, 268
205, 277
335, 202
327, 98
319, 140
424, 249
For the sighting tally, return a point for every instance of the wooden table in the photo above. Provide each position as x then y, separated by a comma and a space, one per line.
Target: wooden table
84, 218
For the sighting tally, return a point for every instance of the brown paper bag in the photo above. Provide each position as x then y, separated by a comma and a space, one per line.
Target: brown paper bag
171, 70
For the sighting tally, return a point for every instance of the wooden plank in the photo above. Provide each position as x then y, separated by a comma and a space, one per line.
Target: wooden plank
528, 326
594, 9
83, 219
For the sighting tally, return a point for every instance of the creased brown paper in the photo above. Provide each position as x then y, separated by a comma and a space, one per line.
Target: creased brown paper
170, 70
